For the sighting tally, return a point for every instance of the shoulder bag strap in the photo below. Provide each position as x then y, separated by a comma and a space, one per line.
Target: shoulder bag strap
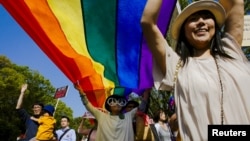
63, 134
171, 132
153, 129
91, 130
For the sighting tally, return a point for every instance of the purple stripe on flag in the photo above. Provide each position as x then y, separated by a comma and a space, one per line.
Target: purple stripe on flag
165, 15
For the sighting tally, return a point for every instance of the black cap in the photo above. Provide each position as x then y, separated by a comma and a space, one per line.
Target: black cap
107, 107
135, 103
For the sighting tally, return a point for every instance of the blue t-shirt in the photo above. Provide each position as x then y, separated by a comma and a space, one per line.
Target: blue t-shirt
30, 125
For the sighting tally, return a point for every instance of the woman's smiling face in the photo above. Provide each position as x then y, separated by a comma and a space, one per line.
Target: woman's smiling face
199, 29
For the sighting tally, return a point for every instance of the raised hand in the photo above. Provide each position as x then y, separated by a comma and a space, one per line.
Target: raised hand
24, 88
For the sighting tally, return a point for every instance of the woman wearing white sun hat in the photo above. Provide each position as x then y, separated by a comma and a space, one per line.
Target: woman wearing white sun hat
208, 71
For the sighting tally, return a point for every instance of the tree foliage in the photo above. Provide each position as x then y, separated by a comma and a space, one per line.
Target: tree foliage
159, 99
247, 6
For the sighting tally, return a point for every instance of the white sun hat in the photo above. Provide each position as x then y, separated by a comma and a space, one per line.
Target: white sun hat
214, 7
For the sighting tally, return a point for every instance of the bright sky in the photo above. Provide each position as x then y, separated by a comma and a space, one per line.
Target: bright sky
23, 51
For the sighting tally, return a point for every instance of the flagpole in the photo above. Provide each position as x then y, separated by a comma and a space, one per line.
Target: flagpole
178, 7
56, 104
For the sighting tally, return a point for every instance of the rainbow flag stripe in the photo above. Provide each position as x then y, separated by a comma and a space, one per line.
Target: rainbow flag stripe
97, 43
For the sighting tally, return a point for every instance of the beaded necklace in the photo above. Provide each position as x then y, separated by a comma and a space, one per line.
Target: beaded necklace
171, 102
222, 93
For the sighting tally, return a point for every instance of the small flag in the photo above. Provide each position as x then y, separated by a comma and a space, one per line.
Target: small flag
88, 115
61, 92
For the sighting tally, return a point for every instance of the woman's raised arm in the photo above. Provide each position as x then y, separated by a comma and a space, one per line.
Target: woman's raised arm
234, 23
153, 35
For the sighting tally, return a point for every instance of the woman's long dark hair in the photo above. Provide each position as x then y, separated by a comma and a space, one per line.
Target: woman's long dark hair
157, 115
185, 50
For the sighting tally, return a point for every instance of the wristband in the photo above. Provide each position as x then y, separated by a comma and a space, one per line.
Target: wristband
84, 99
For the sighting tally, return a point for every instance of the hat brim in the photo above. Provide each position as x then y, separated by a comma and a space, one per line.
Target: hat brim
214, 7
135, 103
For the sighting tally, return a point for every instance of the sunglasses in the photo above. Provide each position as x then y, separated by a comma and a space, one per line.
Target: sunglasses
114, 101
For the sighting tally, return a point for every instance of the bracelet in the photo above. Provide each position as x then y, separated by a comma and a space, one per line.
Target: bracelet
84, 99
82, 95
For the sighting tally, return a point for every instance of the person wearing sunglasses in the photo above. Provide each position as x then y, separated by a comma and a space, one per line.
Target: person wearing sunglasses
114, 125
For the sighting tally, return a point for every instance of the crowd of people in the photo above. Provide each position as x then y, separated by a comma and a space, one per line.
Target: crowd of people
41, 125
207, 72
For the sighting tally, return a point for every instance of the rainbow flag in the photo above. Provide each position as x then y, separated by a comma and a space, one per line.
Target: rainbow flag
98, 43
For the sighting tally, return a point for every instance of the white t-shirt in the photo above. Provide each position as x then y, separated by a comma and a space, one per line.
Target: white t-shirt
112, 128
163, 134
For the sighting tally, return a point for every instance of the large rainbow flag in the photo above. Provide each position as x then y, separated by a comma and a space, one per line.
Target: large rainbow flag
98, 43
